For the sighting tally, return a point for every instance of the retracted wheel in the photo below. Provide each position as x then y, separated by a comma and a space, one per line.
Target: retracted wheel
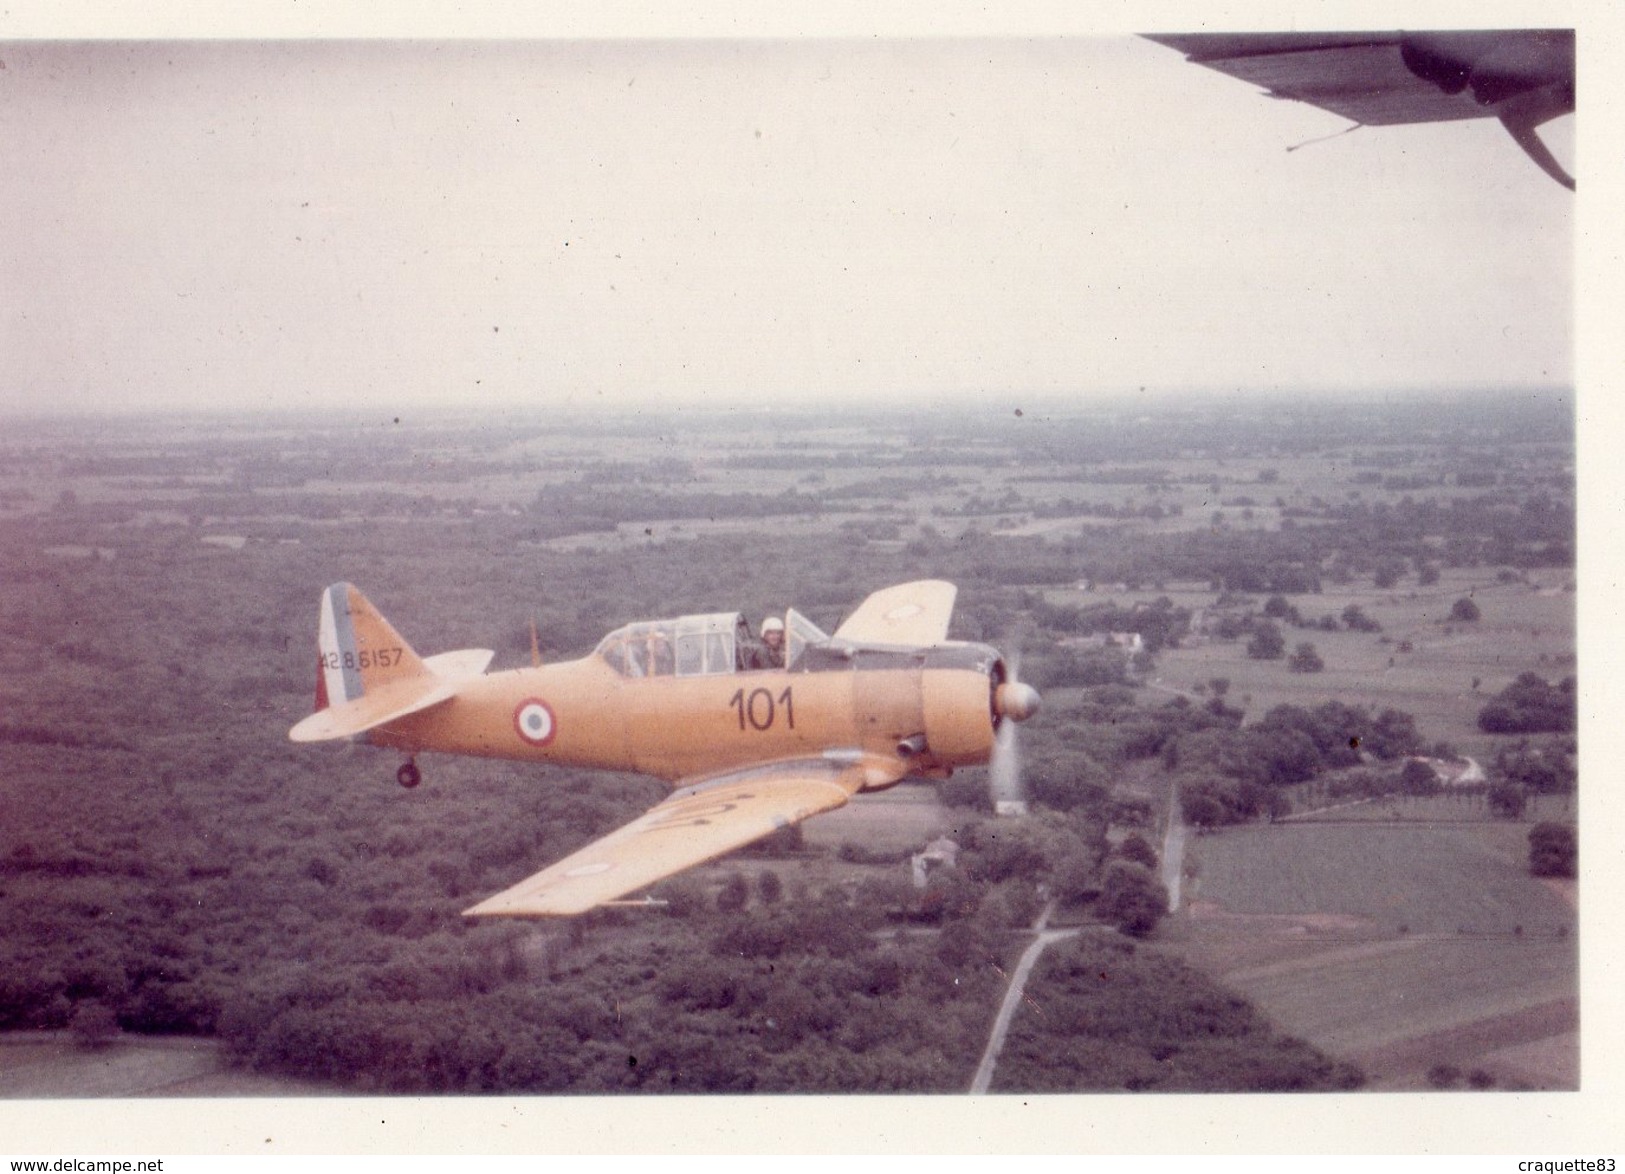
409, 775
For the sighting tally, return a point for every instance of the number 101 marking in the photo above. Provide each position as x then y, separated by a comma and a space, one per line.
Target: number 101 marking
761, 709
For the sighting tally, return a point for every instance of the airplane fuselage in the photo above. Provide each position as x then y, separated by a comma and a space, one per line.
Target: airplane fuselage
931, 705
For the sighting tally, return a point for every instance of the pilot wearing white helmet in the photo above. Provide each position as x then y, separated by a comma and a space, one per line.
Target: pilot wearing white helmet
773, 643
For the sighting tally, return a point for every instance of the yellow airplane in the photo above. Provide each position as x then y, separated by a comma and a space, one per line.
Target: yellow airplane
750, 750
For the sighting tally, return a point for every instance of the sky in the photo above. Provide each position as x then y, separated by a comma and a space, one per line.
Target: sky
561, 222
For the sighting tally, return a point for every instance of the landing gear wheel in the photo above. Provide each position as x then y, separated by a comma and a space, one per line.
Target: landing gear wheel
409, 775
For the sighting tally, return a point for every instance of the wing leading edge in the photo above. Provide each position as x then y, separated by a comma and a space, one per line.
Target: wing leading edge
696, 823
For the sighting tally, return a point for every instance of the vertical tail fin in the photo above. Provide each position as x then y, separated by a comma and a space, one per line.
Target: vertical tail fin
357, 649
367, 676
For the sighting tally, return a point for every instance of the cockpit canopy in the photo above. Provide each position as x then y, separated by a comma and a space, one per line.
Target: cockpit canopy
695, 646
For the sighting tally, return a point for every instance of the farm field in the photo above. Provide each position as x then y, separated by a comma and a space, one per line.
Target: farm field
900, 819
48, 1065
1443, 678
1397, 946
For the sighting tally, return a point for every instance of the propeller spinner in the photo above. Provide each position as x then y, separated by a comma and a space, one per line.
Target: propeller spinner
1016, 700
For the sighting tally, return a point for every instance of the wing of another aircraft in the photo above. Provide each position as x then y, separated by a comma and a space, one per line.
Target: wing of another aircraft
910, 613
1524, 77
694, 824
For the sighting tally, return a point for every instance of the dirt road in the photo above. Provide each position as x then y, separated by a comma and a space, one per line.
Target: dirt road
1012, 997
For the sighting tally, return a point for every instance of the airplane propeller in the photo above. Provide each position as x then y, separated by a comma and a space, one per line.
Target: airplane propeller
1014, 701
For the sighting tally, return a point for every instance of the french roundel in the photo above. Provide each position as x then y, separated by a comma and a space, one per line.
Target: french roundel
535, 723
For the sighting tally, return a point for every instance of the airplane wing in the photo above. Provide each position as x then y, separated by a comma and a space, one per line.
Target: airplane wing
910, 613
1524, 77
697, 822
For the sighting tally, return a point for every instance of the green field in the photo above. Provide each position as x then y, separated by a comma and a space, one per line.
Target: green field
1395, 877
1398, 946
48, 1065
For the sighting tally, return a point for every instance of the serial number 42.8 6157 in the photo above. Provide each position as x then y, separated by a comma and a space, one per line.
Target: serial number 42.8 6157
367, 658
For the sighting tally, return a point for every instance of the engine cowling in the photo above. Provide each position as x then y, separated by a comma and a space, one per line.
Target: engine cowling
958, 718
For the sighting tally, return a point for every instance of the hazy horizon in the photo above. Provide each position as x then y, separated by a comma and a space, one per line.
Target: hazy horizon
1057, 405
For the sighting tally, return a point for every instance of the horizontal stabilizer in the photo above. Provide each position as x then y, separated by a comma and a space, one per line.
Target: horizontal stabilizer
443, 676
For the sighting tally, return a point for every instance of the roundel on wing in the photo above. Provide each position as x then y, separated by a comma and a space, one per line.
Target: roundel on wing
535, 722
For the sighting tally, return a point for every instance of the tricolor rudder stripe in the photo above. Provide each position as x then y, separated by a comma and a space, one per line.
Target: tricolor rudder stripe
357, 649
338, 668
